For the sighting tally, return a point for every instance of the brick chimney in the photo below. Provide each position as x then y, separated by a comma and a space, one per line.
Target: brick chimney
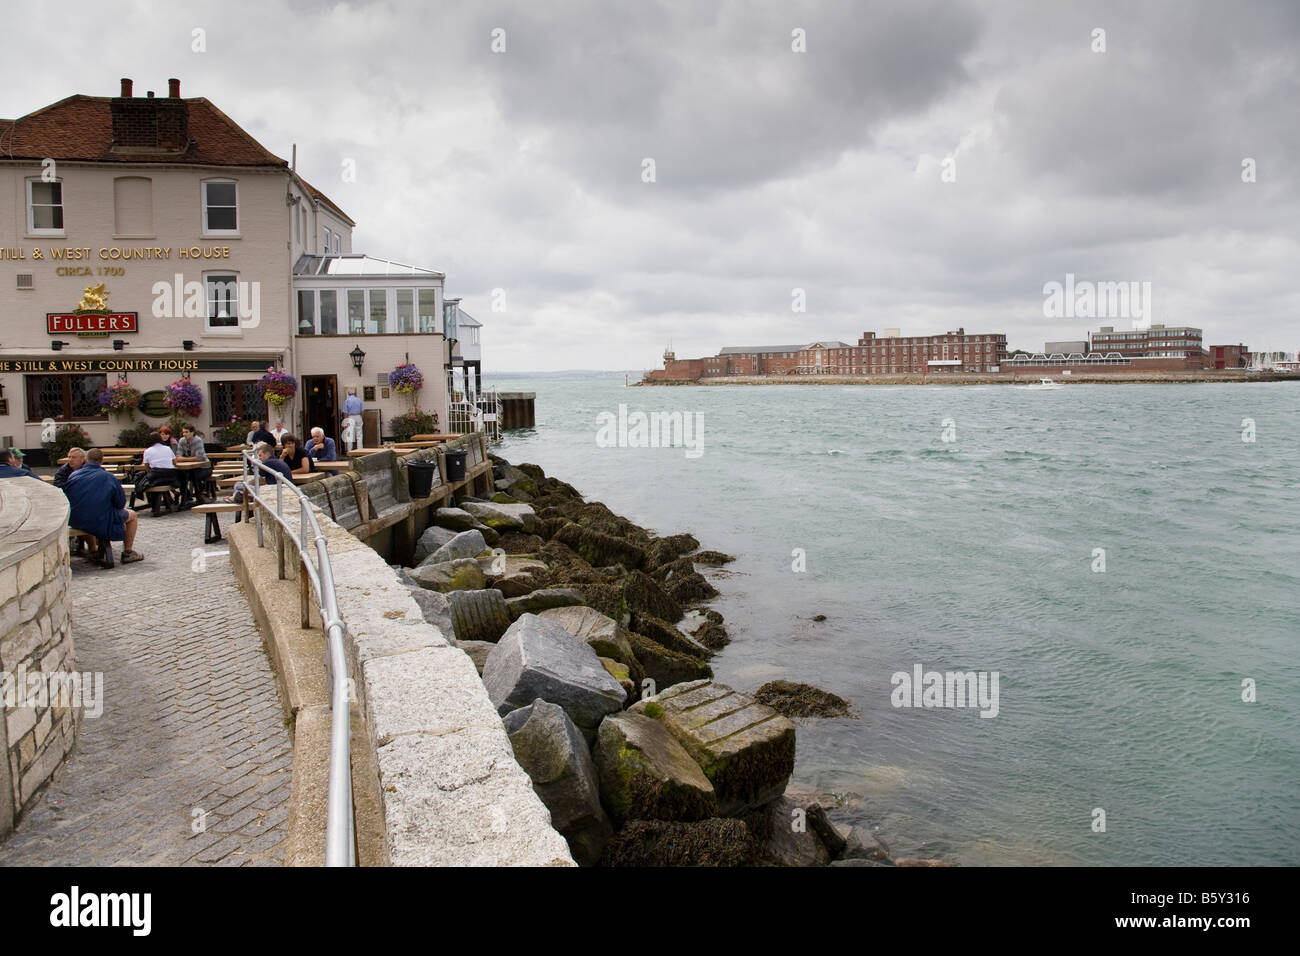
150, 124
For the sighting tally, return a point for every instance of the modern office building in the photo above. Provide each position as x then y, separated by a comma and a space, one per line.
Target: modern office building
1157, 341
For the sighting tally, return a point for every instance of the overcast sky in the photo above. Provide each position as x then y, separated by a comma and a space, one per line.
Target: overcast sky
774, 170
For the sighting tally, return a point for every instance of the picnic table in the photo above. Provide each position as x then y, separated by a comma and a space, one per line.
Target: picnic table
437, 437
358, 452
307, 476
333, 465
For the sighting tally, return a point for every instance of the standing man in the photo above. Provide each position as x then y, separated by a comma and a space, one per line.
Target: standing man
352, 420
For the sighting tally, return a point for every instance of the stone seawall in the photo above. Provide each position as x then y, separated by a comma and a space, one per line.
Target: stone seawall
35, 638
451, 792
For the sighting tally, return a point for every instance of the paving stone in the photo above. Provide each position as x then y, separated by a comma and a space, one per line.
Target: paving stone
192, 720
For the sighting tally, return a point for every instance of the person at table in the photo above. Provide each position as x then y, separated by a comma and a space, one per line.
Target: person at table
22, 461
161, 462
260, 434
352, 409
298, 460
98, 507
278, 432
165, 433
11, 465
320, 447
266, 455
76, 458
191, 450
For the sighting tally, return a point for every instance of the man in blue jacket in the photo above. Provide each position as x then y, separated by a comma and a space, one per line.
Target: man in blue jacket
99, 508
11, 465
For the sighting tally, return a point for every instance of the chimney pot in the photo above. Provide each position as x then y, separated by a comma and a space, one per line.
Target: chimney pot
126, 88
174, 88
149, 94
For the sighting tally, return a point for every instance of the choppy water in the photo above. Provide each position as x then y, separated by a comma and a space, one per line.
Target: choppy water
1119, 690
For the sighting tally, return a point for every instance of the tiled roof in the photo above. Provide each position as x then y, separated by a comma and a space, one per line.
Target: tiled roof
80, 127
323, 199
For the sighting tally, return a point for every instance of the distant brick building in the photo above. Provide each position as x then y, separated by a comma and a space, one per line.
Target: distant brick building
1228, 356
950, 352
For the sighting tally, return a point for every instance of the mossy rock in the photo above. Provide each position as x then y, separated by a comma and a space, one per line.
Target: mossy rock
599, 549
711, 635
712, 558
567, 567
645, 773
661, 551
791, 699
666, 635
667, 667
712, 842
502, 498
516, 542
607, 599
641, 593
531, 470
689, 588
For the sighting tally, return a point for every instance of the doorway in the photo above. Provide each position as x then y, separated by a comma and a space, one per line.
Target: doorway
321, 407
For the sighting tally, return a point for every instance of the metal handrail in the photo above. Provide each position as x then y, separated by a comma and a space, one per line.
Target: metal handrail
339, 842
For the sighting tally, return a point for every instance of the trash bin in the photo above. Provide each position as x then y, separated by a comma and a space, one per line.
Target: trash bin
455, 464
419, 477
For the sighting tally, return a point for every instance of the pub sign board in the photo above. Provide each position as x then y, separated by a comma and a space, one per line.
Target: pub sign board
90, 323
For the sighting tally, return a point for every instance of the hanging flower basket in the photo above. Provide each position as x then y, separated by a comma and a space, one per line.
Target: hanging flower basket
278, 386
406, 379
120, 397
185, 397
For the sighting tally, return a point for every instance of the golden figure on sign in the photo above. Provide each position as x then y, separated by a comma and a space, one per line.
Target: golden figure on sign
94, 298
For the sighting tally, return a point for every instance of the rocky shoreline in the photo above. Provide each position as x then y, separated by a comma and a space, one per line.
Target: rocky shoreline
593, 640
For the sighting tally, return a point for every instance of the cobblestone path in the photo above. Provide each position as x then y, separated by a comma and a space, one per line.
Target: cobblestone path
190, 761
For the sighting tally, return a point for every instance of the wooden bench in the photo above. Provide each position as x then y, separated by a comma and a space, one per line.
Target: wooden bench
160, 495
211, 526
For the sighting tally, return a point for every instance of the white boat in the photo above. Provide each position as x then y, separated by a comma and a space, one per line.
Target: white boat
1043, 383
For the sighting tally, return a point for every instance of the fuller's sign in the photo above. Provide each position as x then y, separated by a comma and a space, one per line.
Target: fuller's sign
91, 316
90, 323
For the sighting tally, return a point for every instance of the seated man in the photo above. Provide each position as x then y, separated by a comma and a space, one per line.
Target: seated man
11, 465
160, 460
76, 458
320, 447
191, 449
296, 458
260, 433
99, 508
266, 455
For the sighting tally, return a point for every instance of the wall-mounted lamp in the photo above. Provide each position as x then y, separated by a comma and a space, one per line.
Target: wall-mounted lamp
119, 344
58, 346
188, 345
358, 357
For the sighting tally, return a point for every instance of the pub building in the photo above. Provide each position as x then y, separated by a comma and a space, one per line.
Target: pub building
151, 238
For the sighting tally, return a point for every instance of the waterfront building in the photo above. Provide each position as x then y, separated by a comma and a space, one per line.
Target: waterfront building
151, 238
1156, 341
1227, 356
954, 351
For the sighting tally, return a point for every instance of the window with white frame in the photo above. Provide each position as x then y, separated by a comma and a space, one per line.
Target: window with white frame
223, 303
220, 207
338, 243
44, 207
325, 249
